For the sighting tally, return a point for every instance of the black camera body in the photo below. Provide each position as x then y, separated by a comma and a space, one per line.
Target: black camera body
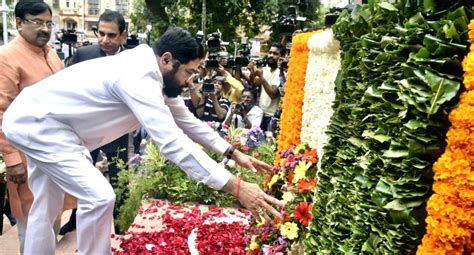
261, 62
239, 107
213, 46
208, 86
68, 37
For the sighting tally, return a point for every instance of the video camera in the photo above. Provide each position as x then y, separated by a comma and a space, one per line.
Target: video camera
244, 52
208, 86
291, 21
213, 47
68, 36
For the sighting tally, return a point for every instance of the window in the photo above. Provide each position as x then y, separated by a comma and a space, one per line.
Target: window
67, 4
122, 6
93, 7
56, 4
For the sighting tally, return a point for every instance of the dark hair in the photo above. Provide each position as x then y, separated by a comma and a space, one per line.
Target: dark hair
181, 44
113, 16
32, 7
280, 47
252, 91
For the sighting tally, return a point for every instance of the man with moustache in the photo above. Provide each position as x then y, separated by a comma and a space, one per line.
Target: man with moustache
112, 34
268, 77
56, 126
23, 62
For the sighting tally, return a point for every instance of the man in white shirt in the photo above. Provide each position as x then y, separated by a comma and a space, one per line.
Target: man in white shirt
245, 114
268, 77
56, 126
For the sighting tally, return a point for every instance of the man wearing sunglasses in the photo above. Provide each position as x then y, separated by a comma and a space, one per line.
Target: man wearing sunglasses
112, 34
23, 62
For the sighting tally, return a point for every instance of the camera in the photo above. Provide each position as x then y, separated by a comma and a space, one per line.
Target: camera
207, 86
213, 46
289, 23
239, 107
261, 62
68, 36
243, 59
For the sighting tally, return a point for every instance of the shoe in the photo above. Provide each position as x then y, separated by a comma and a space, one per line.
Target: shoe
68, 227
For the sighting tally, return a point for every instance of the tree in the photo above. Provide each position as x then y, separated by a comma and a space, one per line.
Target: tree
251, 16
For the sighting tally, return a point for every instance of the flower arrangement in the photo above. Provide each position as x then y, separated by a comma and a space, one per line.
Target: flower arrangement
293, 181
291, 117
450, 221
323, 66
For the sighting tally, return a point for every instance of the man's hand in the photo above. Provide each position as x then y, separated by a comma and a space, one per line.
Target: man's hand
17, 173
250, 163
254, 199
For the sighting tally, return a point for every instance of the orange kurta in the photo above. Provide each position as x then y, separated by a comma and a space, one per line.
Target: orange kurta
21, 65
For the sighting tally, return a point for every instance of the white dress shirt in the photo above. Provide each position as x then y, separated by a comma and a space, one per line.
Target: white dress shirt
254, 116
105, 98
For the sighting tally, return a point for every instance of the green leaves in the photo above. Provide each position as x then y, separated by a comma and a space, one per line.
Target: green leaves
401, 73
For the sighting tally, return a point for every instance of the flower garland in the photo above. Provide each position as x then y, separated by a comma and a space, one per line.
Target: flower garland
291, 117
293, 181
324, 62
450, 221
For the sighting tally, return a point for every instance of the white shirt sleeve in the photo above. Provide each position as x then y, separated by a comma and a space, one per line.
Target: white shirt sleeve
145, 99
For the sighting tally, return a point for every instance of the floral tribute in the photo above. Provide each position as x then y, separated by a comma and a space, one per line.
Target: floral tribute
174, 229
293, 181
450, 221
291, 117
319, 92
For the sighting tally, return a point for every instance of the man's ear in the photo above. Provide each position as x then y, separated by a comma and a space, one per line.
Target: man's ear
18, 23
166, 57
124, 36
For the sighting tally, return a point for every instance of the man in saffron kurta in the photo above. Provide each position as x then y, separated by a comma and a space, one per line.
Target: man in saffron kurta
23, 62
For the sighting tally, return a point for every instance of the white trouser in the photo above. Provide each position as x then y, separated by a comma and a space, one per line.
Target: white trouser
59, 163
95, 200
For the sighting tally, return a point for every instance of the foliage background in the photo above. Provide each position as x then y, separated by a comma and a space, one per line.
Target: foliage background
250, 15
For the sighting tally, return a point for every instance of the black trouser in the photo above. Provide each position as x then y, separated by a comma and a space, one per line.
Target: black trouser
112, 157
265, 123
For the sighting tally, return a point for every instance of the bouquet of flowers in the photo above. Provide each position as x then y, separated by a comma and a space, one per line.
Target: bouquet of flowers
293, 181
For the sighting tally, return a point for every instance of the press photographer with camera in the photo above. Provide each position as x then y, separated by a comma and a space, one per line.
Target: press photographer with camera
245, 114
267, 78
213, 106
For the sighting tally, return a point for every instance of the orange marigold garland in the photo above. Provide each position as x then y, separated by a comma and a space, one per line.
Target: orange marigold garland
291, 117
450, 221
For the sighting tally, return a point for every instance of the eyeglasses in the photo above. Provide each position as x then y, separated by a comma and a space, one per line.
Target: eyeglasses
39, 23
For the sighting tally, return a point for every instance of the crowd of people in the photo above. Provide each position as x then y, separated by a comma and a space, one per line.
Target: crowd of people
56, 118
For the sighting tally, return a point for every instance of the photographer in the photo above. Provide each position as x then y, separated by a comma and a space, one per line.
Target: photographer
268, 77
245, 114
231, 87
213, 106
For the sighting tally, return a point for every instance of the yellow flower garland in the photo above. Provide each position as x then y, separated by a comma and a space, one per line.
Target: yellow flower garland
292, 115
450, 221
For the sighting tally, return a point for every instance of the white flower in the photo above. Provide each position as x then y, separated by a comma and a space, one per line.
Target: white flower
323, 66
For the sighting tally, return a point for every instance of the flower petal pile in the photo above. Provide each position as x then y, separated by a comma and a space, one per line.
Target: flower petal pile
169, 229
